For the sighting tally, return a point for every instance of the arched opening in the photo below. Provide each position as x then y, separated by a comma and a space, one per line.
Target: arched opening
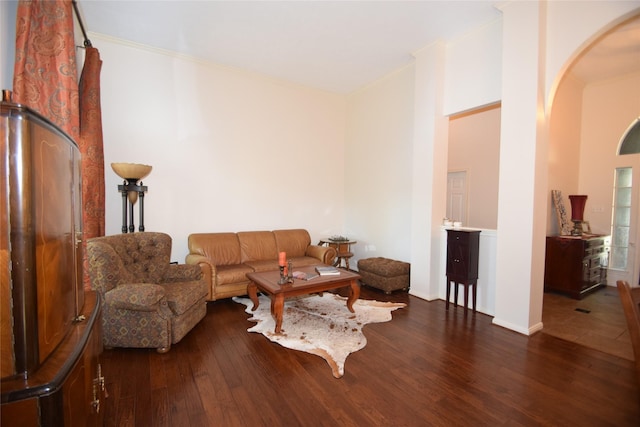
588, 119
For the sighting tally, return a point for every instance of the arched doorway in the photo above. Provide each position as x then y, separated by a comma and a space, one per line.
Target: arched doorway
590, 113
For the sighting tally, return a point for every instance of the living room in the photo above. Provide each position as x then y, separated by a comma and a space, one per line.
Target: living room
376, 170
235, 150
366, 165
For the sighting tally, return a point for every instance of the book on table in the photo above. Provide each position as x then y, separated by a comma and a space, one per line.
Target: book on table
327, 271
303, 276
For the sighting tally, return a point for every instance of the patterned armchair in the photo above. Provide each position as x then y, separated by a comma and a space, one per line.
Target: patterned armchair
146, 301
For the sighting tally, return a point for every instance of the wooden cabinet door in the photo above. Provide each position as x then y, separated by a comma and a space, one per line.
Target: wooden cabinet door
462, 254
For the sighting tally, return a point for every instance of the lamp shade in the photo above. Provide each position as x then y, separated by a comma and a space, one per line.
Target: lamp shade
132, 172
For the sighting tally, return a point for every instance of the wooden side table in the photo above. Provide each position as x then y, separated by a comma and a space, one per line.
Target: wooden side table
343, 248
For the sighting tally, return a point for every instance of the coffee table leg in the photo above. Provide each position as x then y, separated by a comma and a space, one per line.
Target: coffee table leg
277, 307
354, 294
252, 290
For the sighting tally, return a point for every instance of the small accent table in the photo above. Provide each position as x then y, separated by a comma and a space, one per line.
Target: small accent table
342, 247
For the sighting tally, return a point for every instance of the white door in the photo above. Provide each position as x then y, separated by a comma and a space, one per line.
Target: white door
457, 197
630, 273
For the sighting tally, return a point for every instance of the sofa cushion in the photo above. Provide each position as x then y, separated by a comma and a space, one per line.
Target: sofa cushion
264, 265
257, 246
146, 256
293, 242
182, 296
224, 248
226, 274
135, 296
302, 261
108, 267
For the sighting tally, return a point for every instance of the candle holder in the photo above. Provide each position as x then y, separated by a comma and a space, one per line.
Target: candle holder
283, 278
286, 274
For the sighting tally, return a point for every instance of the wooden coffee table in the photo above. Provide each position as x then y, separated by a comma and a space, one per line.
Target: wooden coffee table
267, 282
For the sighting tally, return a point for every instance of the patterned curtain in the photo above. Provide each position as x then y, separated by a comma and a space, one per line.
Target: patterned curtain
45, 79
92, 152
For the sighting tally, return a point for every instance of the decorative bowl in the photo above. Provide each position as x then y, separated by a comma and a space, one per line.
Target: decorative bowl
131, 171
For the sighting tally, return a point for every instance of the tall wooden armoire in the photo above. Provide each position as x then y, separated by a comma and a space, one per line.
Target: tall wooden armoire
50, 339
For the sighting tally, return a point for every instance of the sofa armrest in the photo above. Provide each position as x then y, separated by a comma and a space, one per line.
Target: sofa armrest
325, 254
208, 270
136, 297
182, 273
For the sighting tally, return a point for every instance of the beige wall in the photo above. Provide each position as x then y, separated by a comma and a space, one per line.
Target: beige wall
608, 109
377, 176
586, 126
230, 150
474, 147
564, 146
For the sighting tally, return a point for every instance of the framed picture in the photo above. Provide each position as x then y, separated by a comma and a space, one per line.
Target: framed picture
586, 227
564, 227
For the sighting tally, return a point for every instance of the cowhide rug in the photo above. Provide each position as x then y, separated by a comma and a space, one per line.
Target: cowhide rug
321, 325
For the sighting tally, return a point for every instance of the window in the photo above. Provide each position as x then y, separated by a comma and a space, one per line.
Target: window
621, 219
631, 139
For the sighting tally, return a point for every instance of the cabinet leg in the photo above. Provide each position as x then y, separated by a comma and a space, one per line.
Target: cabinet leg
448, 292
466, 297
475, 294
455, 294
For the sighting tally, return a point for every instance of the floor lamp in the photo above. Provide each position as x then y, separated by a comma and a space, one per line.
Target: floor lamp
131, 191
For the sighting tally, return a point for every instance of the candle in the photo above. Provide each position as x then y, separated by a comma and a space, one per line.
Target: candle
282, 259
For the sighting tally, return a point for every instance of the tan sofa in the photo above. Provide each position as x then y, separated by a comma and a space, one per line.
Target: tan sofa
226, 258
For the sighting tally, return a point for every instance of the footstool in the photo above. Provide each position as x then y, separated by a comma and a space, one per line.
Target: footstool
385, 274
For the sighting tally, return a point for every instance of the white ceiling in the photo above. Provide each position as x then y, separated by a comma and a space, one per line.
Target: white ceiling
337, 46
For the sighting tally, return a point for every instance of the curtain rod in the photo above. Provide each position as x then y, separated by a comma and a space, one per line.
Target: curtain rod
87, 42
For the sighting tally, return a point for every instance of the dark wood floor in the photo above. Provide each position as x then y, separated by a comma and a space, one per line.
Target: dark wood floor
427, 367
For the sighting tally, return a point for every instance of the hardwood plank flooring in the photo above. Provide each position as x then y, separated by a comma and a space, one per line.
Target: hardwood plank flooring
426, 367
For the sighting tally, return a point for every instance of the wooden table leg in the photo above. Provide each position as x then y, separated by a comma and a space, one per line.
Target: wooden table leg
252, 290
354, 294
448, 292
277, 307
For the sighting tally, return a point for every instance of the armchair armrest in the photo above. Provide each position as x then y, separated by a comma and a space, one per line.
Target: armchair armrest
326, 254
136, 297
182, 273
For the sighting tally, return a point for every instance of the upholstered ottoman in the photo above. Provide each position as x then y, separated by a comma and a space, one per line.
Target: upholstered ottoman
385, 274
